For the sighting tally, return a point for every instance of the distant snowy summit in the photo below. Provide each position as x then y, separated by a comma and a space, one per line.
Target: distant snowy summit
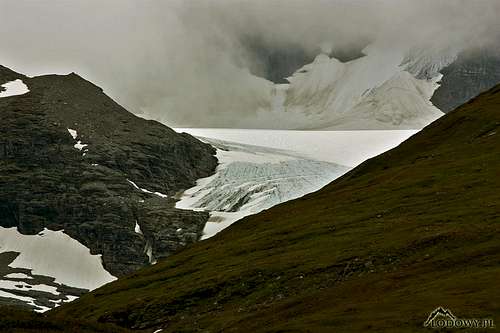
385, 87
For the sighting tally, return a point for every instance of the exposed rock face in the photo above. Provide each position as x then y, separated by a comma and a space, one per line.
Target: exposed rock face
98, 185
7, 74
465, 78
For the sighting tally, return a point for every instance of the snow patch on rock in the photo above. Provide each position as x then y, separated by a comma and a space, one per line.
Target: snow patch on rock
73, 133
148, 250
18, 276
55, 254
28, 300
14, 88
20, 285
137, 228
78, 145
161, 195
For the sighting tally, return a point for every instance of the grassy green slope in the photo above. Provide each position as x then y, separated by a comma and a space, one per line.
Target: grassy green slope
20, 320
378, 249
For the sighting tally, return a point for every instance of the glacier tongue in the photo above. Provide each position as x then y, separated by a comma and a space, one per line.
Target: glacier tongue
261, 168
250, 179
244, 186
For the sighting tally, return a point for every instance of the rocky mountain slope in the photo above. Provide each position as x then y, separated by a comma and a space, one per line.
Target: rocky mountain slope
72, 159
472, 73
377, 250
18, 320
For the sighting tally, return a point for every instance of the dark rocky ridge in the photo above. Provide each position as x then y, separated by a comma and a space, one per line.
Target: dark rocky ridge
46, 183
6, 75
472, 73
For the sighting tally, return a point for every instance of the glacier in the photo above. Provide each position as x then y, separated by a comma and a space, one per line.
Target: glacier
262, 168
349, 147
333, 115
250, 179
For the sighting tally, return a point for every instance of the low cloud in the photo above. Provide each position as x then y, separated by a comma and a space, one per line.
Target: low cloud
188, 63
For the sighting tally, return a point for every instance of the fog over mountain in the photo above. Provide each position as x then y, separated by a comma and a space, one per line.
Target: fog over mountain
206, 63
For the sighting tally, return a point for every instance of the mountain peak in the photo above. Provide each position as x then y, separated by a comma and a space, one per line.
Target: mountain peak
67, 153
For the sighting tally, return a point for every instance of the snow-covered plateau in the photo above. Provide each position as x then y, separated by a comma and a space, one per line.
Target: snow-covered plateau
342, 147
262, 168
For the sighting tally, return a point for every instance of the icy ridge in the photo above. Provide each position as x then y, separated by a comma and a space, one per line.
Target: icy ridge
372, 92
426, 63
330, 94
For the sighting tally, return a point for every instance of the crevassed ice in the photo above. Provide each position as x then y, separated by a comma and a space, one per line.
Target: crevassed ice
250, 179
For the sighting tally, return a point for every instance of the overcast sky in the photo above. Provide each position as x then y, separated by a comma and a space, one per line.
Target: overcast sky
185, 61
